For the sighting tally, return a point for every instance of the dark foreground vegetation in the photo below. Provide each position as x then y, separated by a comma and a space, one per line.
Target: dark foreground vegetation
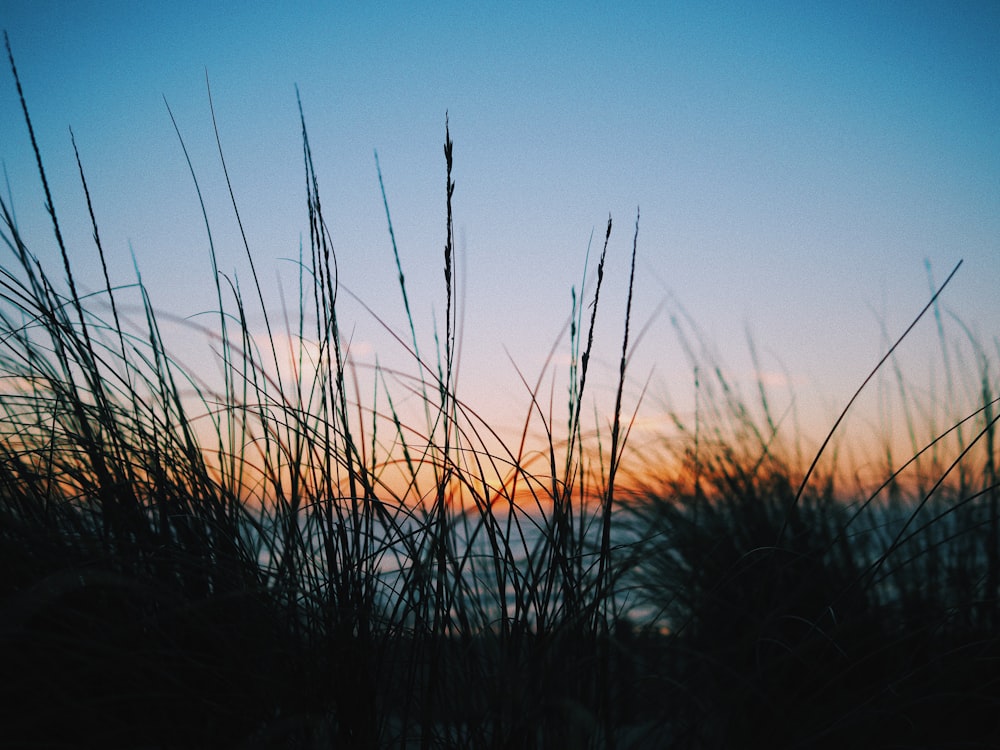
310, 571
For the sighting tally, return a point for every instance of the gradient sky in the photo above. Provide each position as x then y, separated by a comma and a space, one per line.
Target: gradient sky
795, 166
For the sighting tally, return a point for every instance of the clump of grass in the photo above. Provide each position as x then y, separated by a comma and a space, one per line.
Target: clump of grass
806, 612
271, 577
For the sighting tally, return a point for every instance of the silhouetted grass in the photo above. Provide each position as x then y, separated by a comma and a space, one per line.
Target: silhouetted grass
803, 614
277, 562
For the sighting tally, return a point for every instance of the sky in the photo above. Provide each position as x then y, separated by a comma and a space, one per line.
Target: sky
796, 168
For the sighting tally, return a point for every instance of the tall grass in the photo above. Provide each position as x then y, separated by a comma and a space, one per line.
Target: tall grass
308, 564
805, 609
280, 561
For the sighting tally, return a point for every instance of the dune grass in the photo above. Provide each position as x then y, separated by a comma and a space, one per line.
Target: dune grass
314, 569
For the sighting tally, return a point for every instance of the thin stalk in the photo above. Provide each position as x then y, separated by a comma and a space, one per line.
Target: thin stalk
843, 413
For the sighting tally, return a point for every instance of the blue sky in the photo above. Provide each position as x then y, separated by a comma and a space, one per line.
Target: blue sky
795, 166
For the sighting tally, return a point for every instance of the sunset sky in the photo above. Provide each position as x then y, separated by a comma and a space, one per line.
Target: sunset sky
796, 166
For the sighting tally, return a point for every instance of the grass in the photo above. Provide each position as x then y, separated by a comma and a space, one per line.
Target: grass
316, 569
